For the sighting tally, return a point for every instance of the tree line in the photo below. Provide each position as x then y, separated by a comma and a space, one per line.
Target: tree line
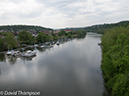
11, 41
100, 28
115, 60
13, 28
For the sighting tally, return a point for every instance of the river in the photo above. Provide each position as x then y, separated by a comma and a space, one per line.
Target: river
70, 69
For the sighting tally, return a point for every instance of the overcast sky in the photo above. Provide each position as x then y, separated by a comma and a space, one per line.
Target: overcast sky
63, 13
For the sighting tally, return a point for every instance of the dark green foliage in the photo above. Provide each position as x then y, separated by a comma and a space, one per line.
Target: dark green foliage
81, 33
43, 37
23, 27
25, 37
115, 60
2, 58
1, 44
4, 34
61, 33
39, 38
10, 41
69, 36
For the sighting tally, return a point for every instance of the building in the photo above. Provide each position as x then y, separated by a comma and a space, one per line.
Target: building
68, 30
56, 31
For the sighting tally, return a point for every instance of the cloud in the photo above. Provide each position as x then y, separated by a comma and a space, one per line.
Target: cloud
63, 13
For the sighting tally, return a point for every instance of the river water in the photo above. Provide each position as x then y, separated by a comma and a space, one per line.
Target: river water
70, 69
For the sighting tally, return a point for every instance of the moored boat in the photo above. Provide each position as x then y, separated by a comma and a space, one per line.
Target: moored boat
43, 46
9, 53
30, 53
16, 53
58, 43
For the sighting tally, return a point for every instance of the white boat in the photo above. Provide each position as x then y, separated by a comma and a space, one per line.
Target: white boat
16, 53
36, 45
9, 53
43, 46
30, 53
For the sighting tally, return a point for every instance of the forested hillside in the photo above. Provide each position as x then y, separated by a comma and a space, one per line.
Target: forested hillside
12, 28
100, 28
115, 59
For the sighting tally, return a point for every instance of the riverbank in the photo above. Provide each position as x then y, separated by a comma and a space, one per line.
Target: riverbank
11, 41
115, 60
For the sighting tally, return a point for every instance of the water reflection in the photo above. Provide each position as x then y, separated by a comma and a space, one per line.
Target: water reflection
2, 58
0, 70
28, 59
71, 69
11, 59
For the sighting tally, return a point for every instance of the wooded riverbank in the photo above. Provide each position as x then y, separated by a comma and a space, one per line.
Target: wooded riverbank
115, 60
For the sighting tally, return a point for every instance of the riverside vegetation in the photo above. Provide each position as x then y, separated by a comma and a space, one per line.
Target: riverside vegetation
115, 60
24, 37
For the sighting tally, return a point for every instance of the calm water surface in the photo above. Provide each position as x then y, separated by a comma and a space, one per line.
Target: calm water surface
70, 69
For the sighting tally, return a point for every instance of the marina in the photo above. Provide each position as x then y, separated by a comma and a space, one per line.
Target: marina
20, 51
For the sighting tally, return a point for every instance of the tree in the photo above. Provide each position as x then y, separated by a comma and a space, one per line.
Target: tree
4, 34
69, 36
10, 40
41, 36
1, 44
61, 33
24, 36
81, 33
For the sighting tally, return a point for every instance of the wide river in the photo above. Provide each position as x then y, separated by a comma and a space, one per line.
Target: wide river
70, 69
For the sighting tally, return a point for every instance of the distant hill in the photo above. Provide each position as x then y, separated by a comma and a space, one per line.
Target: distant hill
101, 27
14, 28
74, 29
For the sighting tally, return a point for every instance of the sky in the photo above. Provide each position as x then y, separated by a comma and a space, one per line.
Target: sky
63, 13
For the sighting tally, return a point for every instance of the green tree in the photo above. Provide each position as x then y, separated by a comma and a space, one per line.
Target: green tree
41, 36
10, 40
59, 34
69, 36
24, 36
1, 44
4, 34
81, 33
63, 32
